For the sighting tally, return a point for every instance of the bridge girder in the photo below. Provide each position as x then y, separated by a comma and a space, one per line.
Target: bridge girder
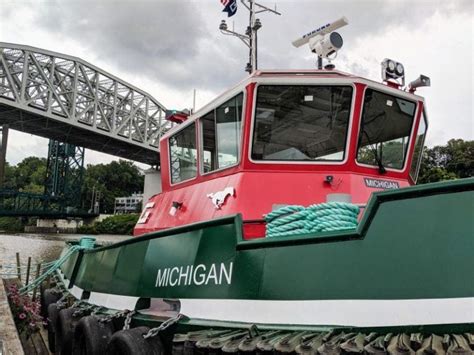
67, 99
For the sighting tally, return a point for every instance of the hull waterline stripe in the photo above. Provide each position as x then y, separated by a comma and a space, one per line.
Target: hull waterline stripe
357, 313
118, 302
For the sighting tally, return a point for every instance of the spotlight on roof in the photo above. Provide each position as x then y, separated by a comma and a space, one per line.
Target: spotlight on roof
393, 71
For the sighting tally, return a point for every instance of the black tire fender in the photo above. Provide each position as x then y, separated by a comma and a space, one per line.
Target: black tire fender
48, 297
91, 336
64, 331
53, 312
131, 342
43, 309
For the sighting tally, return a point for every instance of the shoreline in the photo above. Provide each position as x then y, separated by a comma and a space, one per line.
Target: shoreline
107, 238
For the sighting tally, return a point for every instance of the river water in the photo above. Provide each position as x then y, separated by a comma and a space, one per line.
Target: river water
41, 247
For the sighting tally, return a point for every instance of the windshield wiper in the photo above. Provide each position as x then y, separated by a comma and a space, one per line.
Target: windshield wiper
378, 159
375, 152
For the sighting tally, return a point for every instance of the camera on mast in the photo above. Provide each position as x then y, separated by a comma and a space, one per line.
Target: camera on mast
324, 41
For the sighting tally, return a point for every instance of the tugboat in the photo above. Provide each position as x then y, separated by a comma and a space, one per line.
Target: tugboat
288, 223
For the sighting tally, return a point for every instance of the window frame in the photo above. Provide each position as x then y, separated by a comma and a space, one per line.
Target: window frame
410, 138
347, 143
184, 126
201, 135
424, 118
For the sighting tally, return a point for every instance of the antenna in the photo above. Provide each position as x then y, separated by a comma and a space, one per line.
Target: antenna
323, 40
250, 36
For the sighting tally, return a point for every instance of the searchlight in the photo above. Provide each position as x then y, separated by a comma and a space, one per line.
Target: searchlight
393, 71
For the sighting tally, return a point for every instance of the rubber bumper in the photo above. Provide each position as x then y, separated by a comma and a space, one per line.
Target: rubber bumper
131, 342
91, 336
53, 312
47, 297
64, 330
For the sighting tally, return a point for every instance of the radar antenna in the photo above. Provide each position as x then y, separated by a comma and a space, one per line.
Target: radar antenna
324, 41
250, 36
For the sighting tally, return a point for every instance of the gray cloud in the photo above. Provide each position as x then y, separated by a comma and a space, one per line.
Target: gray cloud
166, 40
19, 142
177, 42
366, 17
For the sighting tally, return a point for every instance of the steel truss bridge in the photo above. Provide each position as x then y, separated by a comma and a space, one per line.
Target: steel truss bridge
15, 203
64, 98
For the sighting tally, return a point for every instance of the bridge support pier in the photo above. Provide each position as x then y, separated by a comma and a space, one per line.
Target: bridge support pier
3, 152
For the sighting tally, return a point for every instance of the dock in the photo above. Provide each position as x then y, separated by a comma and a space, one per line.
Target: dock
10, 343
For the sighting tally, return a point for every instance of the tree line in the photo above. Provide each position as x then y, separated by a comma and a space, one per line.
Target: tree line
116, 179
453, 160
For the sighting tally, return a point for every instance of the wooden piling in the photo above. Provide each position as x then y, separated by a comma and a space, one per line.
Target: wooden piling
28, 271
38, 271
18, 266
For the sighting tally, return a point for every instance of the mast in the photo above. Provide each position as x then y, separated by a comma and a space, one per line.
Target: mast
250, 36
253, 37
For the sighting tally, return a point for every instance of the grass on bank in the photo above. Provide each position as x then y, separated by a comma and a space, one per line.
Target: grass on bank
11, 225
118, 224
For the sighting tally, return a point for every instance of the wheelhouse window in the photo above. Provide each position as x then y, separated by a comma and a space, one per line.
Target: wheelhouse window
419, 143
301, 123
385, 130
183, 154
221, 132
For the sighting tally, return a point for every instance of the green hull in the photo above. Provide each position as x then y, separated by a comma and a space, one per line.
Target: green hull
408, 264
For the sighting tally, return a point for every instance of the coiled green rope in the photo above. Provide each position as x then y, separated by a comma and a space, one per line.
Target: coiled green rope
84, 243
324, 217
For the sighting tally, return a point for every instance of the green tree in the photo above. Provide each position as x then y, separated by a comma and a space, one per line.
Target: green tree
27, 176
447, 162
9, 182
119, 178
116, 179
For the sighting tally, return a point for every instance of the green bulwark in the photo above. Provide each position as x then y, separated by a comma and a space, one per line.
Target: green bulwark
413, 243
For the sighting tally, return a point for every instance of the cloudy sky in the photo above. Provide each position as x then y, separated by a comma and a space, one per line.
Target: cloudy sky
169, 47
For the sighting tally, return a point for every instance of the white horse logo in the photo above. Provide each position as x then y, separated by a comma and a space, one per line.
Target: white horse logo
218, 198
